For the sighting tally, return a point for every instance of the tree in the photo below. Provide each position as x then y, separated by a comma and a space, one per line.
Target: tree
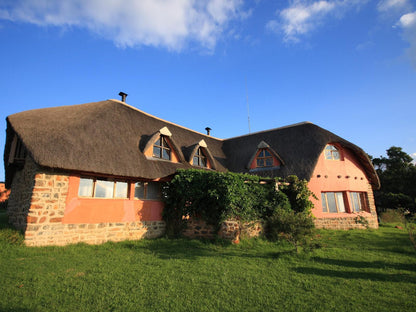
397, 176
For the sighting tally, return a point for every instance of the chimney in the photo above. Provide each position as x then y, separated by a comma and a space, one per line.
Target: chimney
208, 130
123, 96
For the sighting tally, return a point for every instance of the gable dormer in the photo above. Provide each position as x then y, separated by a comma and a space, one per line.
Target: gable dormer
161, 146
264, 158
200, 156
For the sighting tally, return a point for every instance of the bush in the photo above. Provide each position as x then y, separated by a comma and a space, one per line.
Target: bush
392, 216
298, 194
295, 227
216, 196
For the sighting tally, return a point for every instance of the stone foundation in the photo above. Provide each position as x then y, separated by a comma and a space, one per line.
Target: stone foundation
64, 234
228, 230
346, 223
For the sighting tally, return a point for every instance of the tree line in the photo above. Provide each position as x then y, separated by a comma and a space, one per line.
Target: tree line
397, 176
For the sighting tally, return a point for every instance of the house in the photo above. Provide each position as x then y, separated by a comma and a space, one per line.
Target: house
92, 172
4, 193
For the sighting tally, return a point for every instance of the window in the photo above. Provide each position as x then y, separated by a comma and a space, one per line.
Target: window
264, 158
147, 190
17, 151
199, 158
86, 187
100, 188
331, 152
358, 201
333, 202
161, 148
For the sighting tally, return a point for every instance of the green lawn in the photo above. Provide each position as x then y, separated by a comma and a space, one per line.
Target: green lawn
353, 271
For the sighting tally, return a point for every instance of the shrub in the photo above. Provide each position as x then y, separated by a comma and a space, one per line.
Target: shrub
298, 194
295, 227
216, 196
392, 216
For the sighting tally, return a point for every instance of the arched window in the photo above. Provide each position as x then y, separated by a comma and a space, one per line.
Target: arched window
264, 158
161, 148
199, 158
331, 152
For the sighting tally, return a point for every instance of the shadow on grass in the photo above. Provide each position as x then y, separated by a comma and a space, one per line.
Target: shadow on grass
377, 277
365, 264
8, 233
392, 240
192, 249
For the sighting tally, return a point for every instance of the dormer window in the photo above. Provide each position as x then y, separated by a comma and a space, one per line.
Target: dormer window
161, 148
199, 158
331, 152
264, 158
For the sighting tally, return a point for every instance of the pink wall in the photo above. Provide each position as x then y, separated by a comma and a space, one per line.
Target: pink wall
345, 175
100, 210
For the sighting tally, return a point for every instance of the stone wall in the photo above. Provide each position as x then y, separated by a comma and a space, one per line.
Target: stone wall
64, 234
37, 206
346, 223
228, 230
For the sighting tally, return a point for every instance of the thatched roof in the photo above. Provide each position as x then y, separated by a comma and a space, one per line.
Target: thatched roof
109, 137
299, 146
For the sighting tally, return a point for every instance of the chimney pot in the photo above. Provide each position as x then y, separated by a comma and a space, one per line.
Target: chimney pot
208, 130
123, 96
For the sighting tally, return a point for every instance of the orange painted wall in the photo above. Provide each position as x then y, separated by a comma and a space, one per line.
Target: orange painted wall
100, 210
337, 176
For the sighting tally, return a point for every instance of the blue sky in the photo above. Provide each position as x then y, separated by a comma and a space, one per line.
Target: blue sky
346, 65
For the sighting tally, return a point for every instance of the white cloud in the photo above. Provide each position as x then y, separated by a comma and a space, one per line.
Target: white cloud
166, 23
302, 16
408, 23
387, 5
414, 158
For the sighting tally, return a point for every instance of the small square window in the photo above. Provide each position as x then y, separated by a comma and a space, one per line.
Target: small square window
86, 187
121, 189
139, 190
104, 189
331, 152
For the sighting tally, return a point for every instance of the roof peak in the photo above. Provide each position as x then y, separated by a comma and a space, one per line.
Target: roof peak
158, 118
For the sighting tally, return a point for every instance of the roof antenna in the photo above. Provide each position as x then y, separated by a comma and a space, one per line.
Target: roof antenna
248, 109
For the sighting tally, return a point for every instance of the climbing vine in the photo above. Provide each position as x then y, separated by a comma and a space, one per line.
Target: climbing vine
217, 196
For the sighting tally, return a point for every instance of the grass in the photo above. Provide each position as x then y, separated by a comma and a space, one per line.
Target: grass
360, 270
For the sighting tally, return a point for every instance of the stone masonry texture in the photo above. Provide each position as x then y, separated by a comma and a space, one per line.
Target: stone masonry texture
37, 206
